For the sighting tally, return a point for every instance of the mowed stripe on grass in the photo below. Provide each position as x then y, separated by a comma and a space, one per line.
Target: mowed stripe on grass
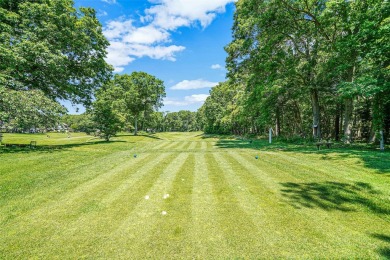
222, 203
303, 230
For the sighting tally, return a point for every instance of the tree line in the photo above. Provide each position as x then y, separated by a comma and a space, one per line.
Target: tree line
131, 102
306, 68
51, 51
309, 68
181, 121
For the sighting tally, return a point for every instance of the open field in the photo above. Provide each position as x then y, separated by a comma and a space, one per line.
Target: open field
79, 197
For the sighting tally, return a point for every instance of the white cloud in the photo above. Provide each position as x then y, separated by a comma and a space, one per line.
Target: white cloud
118, 54
175, 102
194, 84
121, 53
118, 69
102, 13
117, 29
216, 67
125, 31
188, 100
109, 1
196, 98
129, 41
146, 35
171, 14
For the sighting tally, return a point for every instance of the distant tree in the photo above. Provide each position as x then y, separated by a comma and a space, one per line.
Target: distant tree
140, 95
218, 109
27, 109
181, 121
79, 123
156, 121
107, 119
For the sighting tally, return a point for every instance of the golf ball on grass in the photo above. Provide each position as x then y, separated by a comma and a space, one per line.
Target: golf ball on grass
164, 213
166, 196
147, 197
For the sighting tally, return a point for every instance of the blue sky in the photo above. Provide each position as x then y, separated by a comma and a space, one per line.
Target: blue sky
179, 41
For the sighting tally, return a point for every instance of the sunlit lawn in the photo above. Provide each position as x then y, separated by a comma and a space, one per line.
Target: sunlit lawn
79, 197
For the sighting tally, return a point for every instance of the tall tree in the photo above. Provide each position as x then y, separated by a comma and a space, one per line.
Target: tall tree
325, 53
51, 46
107, 119
277, 41
360, 56
140, 93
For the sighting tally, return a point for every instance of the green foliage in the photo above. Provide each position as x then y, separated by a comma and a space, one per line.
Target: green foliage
79, 196
136, 95
27, 109
51, 46
182, 121
48, 51
218, 108
305, 65
107, 120
79, 123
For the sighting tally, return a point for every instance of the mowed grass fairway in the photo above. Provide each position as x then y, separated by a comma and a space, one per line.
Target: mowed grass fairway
79, 197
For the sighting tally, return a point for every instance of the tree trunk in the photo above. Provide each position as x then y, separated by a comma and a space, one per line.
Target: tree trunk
316, 114
348, 109
337, 124
382, 141
298, 119
277, 125
135, 126
372, 134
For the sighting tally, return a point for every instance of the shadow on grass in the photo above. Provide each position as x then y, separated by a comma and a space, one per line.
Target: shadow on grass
215, 136
240, 144
335, 196
385, 251
152, 136
51, 148
371, 157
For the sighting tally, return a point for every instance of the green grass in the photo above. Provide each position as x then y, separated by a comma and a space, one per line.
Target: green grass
80, 197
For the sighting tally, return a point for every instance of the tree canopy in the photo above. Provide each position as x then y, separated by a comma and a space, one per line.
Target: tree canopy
308, 64
28, 109
137, 94
106, 118
51, 46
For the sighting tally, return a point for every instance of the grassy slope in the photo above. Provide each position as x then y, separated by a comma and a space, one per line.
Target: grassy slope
86, 199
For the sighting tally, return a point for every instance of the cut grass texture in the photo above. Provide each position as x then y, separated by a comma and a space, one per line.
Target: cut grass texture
80, 197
